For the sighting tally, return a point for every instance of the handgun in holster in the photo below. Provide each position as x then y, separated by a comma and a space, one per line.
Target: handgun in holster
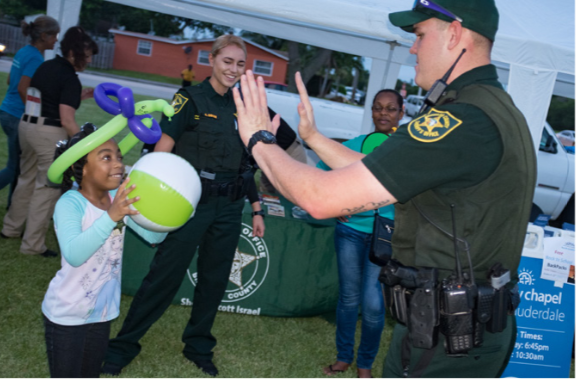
396, 279
420, 313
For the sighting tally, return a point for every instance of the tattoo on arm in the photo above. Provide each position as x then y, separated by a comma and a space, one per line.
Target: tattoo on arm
368, 206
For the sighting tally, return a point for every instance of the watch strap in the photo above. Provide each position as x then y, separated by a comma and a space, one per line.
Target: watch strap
257, 137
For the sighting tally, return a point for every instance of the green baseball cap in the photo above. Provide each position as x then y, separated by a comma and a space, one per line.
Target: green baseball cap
480, 16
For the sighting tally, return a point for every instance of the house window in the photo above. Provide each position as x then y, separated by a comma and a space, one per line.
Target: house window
144, 47
203, 57
263, 68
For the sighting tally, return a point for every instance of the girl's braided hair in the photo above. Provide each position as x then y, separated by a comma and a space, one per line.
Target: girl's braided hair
75, 171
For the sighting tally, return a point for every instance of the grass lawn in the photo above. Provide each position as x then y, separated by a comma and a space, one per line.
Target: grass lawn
248, 346
141, 75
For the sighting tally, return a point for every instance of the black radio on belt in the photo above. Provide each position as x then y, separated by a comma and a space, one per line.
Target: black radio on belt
461, 310
457, 306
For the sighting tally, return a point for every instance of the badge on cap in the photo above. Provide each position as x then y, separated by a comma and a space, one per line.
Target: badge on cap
178, 102
433, 126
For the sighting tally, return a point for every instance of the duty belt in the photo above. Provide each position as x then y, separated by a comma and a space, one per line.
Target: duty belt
41, 120
427, 306
220, 184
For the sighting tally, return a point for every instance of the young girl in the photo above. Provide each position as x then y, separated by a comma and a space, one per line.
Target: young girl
84, 295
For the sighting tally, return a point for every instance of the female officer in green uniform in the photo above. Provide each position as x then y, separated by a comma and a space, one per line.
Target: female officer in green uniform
204, 132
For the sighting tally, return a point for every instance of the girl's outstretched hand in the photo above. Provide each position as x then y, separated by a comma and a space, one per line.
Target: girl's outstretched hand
120, 205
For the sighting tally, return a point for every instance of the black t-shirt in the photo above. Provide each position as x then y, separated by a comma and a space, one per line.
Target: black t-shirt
58, 84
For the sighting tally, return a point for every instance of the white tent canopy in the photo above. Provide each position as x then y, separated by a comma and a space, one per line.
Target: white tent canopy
534, 48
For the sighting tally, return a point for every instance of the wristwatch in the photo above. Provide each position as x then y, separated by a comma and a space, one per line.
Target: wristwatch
263, 136
259, 213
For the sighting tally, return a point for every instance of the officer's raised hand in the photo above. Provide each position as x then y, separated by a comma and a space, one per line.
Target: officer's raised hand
307, 126
252, 111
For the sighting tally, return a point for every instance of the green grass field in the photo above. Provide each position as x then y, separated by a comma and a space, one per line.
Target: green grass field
141, 75
248, 346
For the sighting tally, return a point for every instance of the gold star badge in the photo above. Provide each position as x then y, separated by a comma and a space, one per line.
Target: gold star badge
433, 126
178, 102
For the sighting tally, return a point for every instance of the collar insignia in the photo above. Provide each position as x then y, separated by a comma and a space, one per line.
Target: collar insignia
178, 102
433, 126
210, 116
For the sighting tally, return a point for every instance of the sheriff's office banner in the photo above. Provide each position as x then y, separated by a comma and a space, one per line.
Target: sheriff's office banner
290, 272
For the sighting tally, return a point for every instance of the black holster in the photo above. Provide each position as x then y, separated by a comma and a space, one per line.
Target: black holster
411, 296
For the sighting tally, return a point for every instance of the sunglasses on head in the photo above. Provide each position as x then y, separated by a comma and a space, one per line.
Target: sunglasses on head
430, 5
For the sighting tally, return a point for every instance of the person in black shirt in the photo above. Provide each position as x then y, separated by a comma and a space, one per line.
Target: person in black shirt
54, 95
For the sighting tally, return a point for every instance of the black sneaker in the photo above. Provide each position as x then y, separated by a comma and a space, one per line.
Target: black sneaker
111, 369
49, 253
207, 366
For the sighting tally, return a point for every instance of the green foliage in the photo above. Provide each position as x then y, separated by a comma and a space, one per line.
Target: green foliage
94, 12
17, 9
561, 115
142, 75
266, 41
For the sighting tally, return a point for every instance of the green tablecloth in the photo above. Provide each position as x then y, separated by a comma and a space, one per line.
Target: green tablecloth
290, 272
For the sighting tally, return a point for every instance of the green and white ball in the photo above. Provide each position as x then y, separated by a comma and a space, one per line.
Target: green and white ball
169, 190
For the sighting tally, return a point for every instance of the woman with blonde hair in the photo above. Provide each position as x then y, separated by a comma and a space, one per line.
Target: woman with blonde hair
204, 132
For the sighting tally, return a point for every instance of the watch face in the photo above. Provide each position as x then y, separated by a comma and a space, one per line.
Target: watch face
268, 136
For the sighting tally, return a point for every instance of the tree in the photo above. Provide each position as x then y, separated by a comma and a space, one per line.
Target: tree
561, 113
104, 14
306, 59
17, 9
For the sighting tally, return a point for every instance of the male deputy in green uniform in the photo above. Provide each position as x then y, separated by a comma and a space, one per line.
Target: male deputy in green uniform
472, 149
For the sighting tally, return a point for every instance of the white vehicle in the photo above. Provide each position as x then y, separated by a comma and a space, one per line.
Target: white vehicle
555, 187
413, 104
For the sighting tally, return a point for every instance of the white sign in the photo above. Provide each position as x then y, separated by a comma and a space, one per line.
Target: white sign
558, 257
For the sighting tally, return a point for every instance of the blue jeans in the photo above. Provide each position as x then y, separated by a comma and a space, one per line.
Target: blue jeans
9, 174
358, 286
76, 351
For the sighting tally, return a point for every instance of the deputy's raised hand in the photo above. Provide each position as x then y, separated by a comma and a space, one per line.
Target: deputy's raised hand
253, 113
307, 126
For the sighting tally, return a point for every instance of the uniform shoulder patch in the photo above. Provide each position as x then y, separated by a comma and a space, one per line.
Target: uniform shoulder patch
433, 126
178, 102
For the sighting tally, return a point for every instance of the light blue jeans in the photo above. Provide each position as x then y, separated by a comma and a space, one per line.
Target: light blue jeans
9, 174
358, 287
